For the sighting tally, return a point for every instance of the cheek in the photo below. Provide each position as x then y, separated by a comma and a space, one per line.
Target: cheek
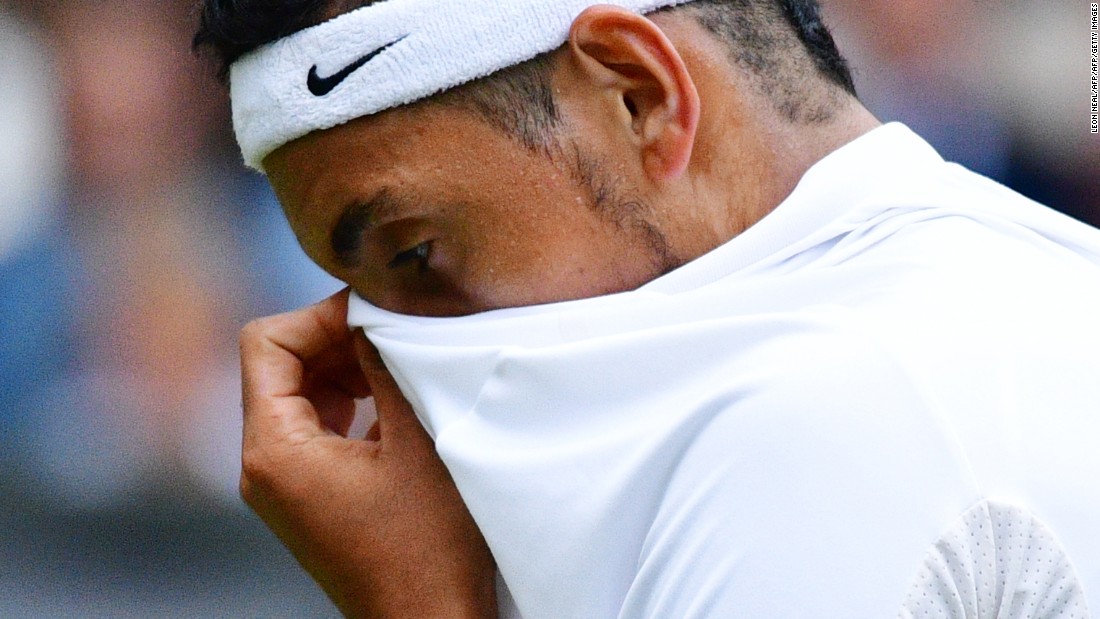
542, 259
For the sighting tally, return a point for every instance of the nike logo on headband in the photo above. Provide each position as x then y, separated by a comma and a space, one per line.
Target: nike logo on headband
321, 86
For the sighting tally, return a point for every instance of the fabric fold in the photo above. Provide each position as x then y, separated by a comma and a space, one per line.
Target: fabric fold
783, 426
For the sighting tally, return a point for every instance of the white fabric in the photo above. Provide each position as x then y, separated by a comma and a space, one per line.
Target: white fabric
997, 562
435, 46
784, 426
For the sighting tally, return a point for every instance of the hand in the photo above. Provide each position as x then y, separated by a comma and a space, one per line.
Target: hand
377, 522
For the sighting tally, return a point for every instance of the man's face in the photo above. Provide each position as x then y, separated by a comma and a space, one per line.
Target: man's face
428, 210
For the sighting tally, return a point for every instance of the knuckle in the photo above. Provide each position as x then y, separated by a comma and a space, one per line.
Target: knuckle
252, 467
255, 475
247, 490
253, 331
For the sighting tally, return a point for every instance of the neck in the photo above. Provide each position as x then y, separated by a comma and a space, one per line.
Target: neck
790, 150
747, 166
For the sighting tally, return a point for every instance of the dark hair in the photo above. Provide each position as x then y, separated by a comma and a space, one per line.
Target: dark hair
804, 16
232, 28
781, 42
758, 34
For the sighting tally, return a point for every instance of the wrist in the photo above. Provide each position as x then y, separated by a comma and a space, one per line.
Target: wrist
472, 602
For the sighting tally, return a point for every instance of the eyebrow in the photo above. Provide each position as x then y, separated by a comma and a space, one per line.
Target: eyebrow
358, 218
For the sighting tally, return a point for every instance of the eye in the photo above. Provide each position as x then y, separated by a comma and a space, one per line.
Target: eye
418, 254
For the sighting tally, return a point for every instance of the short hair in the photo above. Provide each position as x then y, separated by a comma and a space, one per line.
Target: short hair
783, 44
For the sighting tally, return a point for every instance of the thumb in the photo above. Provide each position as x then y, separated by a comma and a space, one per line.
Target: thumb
397, 422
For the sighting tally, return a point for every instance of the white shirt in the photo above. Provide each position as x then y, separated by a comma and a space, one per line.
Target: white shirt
797, 424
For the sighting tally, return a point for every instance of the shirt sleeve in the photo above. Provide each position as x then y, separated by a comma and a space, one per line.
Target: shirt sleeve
814, 493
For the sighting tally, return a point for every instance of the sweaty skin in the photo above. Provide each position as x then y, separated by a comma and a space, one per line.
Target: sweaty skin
431, 210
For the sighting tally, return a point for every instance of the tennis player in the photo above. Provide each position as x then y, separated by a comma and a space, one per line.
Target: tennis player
659, 322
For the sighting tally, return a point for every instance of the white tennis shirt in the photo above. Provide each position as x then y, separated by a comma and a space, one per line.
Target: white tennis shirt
881, 400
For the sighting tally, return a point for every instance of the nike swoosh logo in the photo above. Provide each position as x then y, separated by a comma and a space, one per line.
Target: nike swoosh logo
321, 86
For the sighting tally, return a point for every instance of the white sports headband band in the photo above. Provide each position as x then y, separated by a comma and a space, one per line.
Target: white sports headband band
385, 55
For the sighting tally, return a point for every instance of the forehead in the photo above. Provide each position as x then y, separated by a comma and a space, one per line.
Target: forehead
364, 145
425, 152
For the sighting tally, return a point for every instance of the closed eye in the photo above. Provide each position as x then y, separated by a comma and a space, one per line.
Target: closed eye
416, 255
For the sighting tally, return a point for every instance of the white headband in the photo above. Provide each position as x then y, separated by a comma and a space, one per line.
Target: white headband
386, 55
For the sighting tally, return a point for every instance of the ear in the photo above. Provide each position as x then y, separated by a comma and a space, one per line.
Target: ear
628, 56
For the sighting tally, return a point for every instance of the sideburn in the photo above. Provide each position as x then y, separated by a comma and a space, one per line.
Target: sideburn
629, 214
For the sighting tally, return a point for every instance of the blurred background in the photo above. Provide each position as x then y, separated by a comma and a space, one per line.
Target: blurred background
133, 246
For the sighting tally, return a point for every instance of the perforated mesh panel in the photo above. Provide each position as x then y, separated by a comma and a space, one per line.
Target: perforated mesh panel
997, 562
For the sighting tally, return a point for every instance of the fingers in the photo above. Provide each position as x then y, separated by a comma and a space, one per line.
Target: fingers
303, 370
397, 423
298, 339
299, 370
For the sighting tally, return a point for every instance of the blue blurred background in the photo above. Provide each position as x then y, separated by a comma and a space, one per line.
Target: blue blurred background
133, 246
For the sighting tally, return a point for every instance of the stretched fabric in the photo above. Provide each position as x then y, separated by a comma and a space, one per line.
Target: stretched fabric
788, 425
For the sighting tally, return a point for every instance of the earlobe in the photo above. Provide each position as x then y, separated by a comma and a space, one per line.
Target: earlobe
631, 57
